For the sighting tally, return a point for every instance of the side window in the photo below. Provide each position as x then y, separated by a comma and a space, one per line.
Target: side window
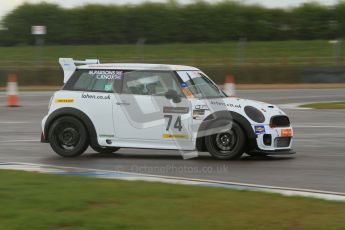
102, 85
95, 80
83, 82
149, 83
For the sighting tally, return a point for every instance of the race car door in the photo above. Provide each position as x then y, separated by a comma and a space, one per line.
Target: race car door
151, 111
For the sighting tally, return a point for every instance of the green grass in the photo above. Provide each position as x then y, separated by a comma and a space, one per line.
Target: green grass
41, 201
210, 54
329, 105
255, 62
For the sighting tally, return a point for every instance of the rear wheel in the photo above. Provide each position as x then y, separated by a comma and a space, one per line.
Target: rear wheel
68, 137
227, 145
105, 149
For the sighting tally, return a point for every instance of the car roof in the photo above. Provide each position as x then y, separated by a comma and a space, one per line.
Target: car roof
138, 66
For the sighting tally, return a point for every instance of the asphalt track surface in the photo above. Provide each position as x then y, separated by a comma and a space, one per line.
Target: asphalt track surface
319, 141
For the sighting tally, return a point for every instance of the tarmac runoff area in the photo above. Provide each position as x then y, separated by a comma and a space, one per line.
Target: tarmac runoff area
318, 165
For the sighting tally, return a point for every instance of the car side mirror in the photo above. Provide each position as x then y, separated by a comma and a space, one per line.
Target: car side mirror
172, 94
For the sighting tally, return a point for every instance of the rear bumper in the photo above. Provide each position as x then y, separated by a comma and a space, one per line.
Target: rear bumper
43, 138
44, 135
273, 152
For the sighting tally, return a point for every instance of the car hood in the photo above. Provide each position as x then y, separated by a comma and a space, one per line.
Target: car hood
236, 104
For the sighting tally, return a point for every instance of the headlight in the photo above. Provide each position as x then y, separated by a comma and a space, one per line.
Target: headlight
254, 114
280, 121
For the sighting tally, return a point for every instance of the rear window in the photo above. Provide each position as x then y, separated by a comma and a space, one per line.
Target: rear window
94, 80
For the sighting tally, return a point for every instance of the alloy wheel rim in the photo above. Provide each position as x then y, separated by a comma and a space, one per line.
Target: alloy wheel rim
67, 137
226, 141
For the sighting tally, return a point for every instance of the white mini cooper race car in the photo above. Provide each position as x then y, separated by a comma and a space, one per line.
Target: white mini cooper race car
112, 106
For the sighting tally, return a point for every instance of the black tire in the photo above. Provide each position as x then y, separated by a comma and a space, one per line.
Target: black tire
227, 145
68, 137
105, 150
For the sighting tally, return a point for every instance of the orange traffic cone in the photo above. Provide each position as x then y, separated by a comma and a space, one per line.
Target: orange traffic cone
12, 91
229, 86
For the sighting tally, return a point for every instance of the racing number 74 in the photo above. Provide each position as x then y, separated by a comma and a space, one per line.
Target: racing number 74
177, 124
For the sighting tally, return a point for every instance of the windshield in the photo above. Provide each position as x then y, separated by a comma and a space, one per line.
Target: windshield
199, 85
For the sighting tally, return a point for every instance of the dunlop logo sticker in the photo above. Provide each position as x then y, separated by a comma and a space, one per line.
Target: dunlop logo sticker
177, 136
64, 100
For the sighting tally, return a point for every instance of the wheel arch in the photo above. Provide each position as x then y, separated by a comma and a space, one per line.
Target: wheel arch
236, 117
76, 113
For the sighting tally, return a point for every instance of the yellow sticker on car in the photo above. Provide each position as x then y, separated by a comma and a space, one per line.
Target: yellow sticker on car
177, 136
64, 100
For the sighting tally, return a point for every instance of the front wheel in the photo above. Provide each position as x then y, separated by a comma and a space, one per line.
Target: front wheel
227, 145
68, 137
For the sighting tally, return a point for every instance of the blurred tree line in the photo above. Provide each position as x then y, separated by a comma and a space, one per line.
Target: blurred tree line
172, 22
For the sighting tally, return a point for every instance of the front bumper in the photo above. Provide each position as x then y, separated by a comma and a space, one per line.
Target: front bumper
272, 152
276, 139
271, 140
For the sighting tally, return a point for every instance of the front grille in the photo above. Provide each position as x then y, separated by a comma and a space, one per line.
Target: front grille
280, 121
281, 142
267, 138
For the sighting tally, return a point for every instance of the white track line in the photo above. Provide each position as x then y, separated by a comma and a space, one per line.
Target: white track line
30, 94
297, 105
318, 126
14, 141
14, 122
327, 195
